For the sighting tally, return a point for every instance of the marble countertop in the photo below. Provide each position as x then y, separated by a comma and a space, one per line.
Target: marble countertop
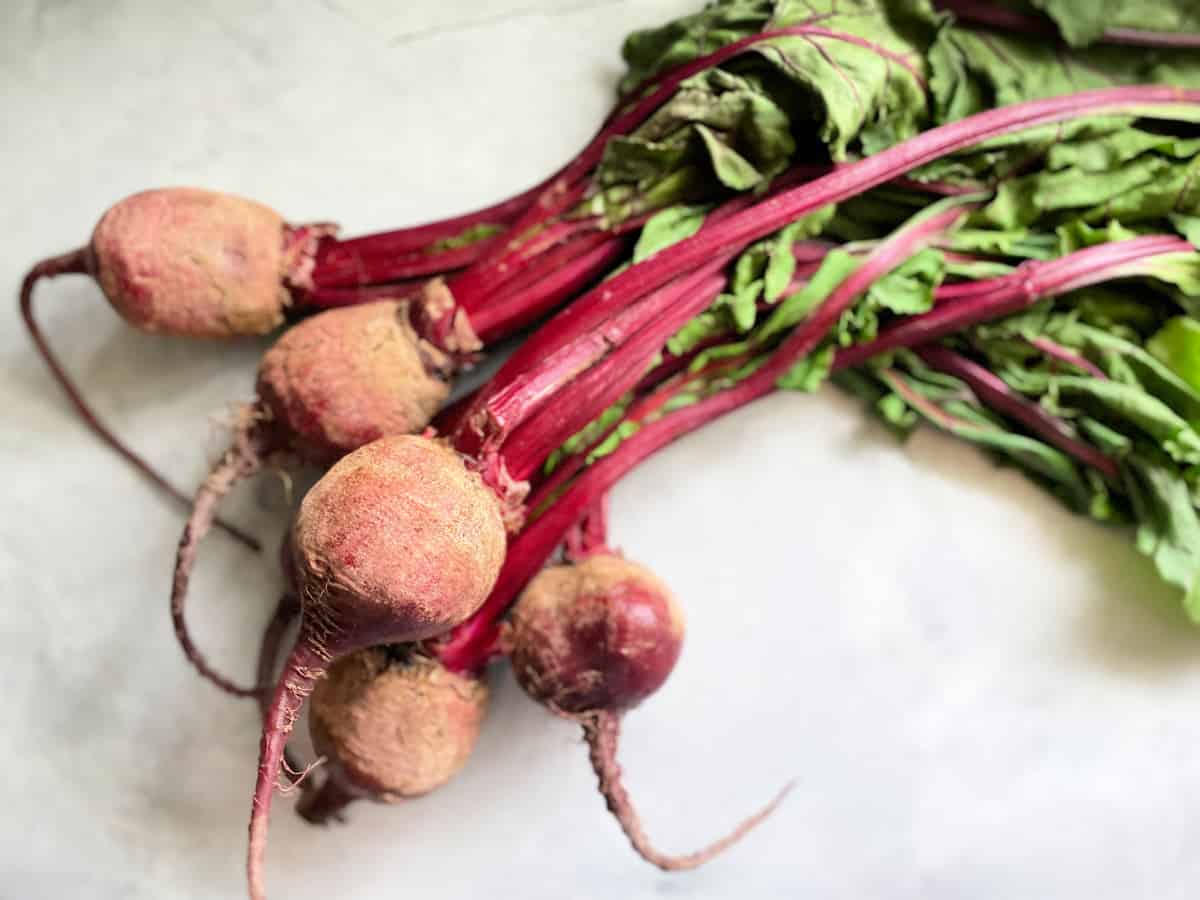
980, 695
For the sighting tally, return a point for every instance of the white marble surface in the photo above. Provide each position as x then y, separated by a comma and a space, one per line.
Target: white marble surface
981, 696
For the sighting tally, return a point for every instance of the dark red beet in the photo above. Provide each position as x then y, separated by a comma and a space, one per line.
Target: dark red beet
602, 634
590, 641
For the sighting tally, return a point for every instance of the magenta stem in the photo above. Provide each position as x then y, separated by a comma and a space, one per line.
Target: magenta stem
1011, 294
638, 337
731, 233
1071, 358
472, 642
991, 16
352, 271
995, 394
337, 260
515, 311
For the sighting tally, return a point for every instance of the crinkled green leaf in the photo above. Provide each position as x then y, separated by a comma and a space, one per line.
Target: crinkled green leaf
730, 167
613, 440
707, 325
865, 89
743, 305
667, 227
1076, 234
1188, 226
1180, 270
1106, 152
1018, 242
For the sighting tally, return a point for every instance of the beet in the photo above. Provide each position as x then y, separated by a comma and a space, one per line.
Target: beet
602, 634
331, 384
397, 542
392, 724
590, 641
186, 262
196, 263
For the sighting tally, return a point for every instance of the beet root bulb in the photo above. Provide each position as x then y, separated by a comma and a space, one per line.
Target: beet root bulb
603, 634
197, 263
350, 376
329, 385
398, 541
184, 262
391, 725
590, 641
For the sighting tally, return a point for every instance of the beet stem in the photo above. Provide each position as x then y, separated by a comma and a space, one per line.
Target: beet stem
994, 393
243, 459
1062, 354
333, 256
300, 674
767, 216
1032, 282
602, 731
76, 263
988, 15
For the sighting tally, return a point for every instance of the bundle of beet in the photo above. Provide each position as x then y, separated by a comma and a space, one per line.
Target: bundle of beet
984, 218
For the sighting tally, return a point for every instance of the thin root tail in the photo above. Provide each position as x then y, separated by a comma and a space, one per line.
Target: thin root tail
603, 732
296, 682
242, 459
77, 262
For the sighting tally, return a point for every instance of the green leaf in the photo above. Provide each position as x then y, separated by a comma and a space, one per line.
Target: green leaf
1134, 407
908, 289
613, 440
1188, 226
781, 265
809, 373
793, 309
730, 167
846, 92
667, 227
704, 326
1177, 345
466, 237
1084, 21
963, 419
743, 306
1168, 530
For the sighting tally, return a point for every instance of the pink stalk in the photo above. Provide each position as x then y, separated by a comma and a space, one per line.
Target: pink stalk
1071, 358
471, 644
504, 314
505, 406
337, 261
996, 395
606, 382
1036, 280
991, 16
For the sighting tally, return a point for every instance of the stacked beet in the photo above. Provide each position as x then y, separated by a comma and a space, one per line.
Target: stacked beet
976, 226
